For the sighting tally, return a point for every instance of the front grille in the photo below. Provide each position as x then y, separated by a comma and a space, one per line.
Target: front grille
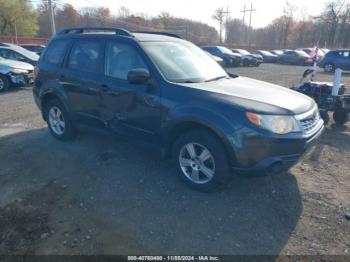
310, 122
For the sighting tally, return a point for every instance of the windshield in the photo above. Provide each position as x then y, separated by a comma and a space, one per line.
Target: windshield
266, 52
302, 53
243, 52
183, 62
31, 55
225, 50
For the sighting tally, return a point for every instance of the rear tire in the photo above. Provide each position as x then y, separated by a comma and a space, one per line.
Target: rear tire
58, 120
201, 160
340, 117
4, 83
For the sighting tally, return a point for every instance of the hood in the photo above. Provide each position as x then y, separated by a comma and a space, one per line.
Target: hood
234, 55
249, 57
16, 64
257, 56
258, 96
272, 55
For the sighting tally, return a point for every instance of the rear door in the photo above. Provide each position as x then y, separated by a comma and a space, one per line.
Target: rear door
131, 109
81, 79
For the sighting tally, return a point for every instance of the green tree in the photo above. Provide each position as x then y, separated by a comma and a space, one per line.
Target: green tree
17, 15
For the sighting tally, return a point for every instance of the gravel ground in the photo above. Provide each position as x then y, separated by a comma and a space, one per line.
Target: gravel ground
101, 195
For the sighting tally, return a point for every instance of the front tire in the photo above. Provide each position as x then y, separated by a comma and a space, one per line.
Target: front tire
329, 68
201, 160
58, 121
4, 83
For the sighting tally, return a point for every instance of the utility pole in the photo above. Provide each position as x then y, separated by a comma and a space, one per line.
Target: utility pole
52, 18
226, 13
244, 30
251, 10
243, 11
250, 21
16, 37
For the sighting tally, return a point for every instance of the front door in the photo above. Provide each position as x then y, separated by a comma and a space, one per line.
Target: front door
131, 109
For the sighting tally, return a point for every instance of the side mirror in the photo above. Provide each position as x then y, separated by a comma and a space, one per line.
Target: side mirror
138, 76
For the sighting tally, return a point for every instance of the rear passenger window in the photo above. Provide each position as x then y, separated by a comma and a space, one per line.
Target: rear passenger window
120, 59
55, 52
85, 55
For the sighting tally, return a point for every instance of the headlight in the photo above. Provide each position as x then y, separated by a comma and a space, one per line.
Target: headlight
274, 123
19, 71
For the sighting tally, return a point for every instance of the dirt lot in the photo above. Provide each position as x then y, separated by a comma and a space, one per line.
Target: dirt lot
101, 195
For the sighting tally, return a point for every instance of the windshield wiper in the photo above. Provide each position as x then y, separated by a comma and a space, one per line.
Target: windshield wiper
216, 78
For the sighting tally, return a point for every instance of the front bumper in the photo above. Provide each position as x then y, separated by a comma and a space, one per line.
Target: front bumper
267, 155
22, 79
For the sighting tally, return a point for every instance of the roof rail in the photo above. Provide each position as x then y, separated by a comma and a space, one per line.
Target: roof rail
158, 33
81, 30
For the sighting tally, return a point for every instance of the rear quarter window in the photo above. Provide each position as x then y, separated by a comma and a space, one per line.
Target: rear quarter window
55, 52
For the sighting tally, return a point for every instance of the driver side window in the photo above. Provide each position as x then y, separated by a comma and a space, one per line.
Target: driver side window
120, 59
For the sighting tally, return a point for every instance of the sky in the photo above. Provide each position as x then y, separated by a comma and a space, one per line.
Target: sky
266, 10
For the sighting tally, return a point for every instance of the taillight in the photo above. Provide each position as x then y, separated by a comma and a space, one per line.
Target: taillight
36, 71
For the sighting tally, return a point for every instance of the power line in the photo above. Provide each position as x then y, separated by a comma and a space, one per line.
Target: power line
244, 11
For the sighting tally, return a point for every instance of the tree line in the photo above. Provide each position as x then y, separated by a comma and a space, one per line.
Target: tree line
331, 28
19, 17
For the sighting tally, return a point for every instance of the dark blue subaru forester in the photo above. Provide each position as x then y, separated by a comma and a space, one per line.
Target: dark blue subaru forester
168, 92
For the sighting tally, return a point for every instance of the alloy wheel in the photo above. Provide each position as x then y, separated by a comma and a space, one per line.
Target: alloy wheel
329, 68
56, 120
197, 163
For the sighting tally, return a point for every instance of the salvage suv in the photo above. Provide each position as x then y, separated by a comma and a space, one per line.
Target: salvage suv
168, 92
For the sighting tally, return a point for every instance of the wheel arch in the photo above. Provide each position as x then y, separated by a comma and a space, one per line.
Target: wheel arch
45, 99
184, 126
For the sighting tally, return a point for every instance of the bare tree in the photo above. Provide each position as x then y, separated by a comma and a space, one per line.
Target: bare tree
288, 19
219, 15
123, 12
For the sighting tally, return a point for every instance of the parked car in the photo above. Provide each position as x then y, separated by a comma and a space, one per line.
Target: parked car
325, 50
219, 60
248, 58
15, 52
336, 59
34, 48
267, 56
295, 57
14, 73
276, 52
170, 93
230, 58
320, 53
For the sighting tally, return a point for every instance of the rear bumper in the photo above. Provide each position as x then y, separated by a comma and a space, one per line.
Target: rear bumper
275, 156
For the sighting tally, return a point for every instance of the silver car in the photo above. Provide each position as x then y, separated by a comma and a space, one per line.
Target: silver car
14, 73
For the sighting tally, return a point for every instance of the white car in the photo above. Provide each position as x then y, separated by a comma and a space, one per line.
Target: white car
14, 73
